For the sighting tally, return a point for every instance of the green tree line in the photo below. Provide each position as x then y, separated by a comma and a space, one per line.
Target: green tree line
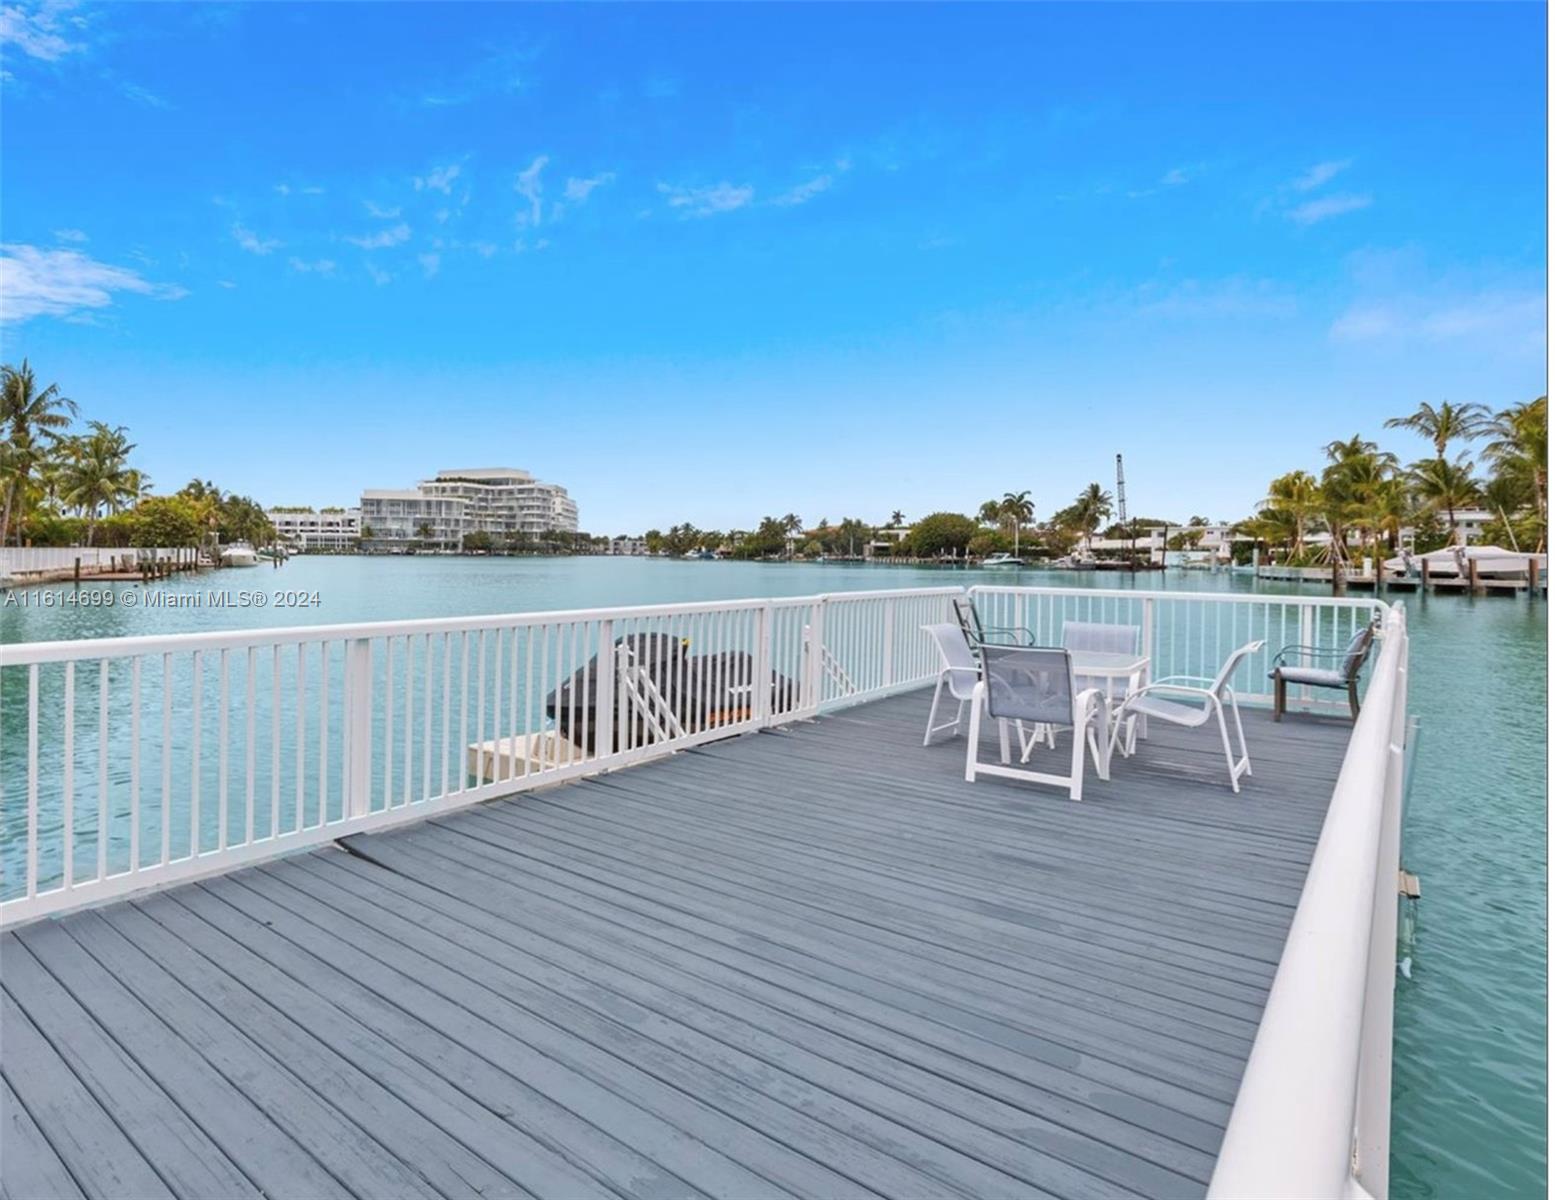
61, 485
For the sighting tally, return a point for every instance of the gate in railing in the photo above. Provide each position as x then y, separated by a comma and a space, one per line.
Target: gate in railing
129, 763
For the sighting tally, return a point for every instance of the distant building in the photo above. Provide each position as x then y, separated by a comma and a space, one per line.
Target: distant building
633, 546
441, 511
324, 529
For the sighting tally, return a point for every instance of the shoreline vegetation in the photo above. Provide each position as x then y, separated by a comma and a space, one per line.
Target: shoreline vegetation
69, 484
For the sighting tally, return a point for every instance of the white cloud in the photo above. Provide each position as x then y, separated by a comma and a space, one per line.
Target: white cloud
37, 31
439, 179
1232, 297
1316, 176
379, 275
528, 186
1176, 177
386, 214
1498, 319
1322, 209
251, 241
706, 201
322, 266
429, 264
392, 236
144, 96
808, 190
484, 249
226, 283
65, 283
70, 235
578, 190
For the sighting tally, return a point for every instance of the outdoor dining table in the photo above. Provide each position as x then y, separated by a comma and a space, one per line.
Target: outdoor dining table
1095, 668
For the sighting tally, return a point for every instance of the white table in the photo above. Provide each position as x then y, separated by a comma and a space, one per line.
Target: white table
1093, 668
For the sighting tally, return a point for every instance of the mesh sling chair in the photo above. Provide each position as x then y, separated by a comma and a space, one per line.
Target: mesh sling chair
1033, 685
1191, 701
1345, 673
957, 674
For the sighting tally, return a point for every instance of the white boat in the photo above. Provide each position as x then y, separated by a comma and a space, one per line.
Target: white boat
1490, 562
239, 554
1080, 560
1003, 560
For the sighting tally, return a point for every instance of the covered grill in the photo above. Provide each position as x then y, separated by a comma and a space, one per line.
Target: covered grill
698, 690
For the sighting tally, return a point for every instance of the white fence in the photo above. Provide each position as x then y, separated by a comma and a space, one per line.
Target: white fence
1192, 633
1312, 1116
144, 761
35, 560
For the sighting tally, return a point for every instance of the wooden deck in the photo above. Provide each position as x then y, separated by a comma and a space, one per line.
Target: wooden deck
811, 962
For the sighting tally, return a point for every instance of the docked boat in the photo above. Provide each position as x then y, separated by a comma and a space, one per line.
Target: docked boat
1080, 560
239, 554
1003, 560
1490, 562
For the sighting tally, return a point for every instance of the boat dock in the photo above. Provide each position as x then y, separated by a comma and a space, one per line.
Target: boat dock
799, 957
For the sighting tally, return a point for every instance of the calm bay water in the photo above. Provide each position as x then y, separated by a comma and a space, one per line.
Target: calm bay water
1469, 1067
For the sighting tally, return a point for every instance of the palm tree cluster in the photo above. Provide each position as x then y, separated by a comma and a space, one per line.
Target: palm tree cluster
1365, 496
60, 487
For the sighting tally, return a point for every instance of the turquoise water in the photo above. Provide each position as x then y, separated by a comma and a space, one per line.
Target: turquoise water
1469, 1068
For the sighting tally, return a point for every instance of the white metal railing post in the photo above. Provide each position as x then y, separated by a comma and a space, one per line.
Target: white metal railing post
888, 665
761, 673
605, 675
358, 727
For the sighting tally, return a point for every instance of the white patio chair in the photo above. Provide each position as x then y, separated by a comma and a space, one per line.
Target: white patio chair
1105, 639
957, 674
1198, 699
1029, 684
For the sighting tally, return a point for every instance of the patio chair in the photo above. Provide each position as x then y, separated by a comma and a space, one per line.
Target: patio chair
1031, 684
957, 674
1345, 673
1190, 701
977, 633
1104, 639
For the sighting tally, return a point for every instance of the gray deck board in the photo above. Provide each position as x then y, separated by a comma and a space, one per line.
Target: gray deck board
809, 962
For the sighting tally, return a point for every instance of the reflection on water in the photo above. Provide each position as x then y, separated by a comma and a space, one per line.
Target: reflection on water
1469, 1069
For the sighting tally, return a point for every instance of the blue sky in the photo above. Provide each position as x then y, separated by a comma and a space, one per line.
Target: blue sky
709, 262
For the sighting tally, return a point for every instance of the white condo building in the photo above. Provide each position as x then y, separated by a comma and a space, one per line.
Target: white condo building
326, 529
497, 500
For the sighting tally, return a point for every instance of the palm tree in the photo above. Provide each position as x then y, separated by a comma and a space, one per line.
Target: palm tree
33, 420
1091, 507
1506, 494
1445, 425
1290, 503
897, 517
97, 476
792, 525
1519, 448
1445, 487
1018, 508
991, 512
1356, 468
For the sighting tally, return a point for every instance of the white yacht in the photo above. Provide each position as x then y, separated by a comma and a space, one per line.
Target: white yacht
239, 554
1003, 560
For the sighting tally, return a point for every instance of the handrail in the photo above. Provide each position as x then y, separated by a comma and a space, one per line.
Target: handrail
1311, 1117
22, 653
147, 760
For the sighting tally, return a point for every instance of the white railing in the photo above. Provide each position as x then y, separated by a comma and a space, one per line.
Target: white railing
132, 763
35, 560
1193, 633
1312, 1115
